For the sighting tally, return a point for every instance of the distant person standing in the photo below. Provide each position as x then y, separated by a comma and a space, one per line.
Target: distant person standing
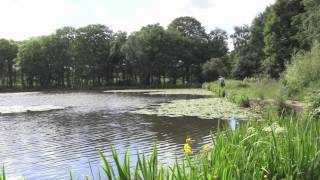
222, 92
221, 81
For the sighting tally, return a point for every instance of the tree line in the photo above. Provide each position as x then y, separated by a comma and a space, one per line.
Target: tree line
95, 56
183, 53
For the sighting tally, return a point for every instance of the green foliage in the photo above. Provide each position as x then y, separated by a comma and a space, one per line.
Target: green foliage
280, 30
313, 100
218, 45
214, 68
267, 46
310, 23
304, 71
248, 52
251, 88
155, 56
242, 100
281, 107
8, 54
216, 88
95, 56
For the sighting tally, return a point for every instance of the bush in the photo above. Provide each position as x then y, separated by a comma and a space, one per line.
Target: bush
314, 104
214, 87
214, 68
244, 101
304, 70
281, 106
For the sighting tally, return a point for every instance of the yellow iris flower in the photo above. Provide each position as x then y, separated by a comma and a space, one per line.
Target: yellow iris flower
206, 148
188, 140
187, 149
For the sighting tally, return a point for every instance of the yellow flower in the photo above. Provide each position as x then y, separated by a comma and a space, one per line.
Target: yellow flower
189, 140
206, 148
187, 149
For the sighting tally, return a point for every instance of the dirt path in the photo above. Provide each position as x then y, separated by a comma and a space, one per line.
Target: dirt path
297, 106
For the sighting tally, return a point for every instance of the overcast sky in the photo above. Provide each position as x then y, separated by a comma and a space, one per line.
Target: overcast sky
22, 19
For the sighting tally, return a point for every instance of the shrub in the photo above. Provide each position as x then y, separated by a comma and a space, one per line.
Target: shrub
280, 105
314, 104
243, 101
214, 87
304, 70
214, 68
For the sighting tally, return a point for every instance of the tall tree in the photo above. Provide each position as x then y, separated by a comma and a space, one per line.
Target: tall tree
194, 39
8, 54
35, 64
145, 49
242, 64
280, 35
92, 55
217, 43
121, 66
62, 48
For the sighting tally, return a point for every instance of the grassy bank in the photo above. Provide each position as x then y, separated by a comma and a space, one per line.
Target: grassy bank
251, 88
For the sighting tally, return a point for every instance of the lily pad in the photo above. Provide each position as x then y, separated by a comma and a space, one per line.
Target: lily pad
205, 108
194, 91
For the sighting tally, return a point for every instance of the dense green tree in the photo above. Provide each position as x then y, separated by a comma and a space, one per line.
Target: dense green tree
214, 68
118, 59
280, 30
194, 40
256, 41
189, 27
8, 54
92, 55
145, 49
248, 53
34, 61
217, 43
241, 36
61, 50
242, 64
310, 20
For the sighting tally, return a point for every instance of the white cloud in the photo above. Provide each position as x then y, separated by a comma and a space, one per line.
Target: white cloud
21, 19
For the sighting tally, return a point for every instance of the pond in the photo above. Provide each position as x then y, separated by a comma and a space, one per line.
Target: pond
50, 144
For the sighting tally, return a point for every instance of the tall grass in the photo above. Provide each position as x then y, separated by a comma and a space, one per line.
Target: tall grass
252, 88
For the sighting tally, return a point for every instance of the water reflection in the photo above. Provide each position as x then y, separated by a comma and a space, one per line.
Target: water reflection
49, 145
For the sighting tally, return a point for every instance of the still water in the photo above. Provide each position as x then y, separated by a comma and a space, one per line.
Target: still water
48, 145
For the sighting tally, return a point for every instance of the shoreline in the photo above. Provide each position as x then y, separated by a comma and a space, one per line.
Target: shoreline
102, 88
